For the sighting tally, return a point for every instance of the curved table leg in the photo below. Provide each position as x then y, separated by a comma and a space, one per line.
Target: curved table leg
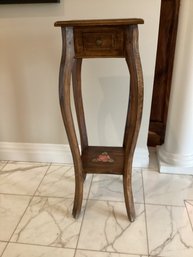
128, 194
64, 96
134, 114
76, 79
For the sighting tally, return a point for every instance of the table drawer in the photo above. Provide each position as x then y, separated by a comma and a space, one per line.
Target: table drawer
99, 42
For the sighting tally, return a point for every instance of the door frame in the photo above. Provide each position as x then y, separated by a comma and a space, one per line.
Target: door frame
168, 26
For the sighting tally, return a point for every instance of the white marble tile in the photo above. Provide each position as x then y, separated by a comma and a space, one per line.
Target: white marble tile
59, 182
22, 250
189, 206
107, 228
49, 222
2, 164
167, 189
85, 253
2, 247
12, 208
21, 177
110, 187
169, 231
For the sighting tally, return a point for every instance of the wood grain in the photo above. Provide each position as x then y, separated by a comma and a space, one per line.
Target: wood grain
99, 42
163, 71
66, 66
114, 38
76, 81
134, 113
96, 22
92, 152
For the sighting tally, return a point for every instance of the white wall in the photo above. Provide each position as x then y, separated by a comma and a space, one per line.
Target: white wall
30, 48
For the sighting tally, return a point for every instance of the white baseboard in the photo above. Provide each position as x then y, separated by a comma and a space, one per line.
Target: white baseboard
35, 152
174, 163
141, 157
56, 153
171, 169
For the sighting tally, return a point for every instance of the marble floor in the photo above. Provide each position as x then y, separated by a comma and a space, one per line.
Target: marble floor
35, 213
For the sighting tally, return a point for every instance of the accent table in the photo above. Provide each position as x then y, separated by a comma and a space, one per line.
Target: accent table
106, 39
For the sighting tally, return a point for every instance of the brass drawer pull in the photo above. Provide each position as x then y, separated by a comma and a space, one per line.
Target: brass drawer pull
99, 42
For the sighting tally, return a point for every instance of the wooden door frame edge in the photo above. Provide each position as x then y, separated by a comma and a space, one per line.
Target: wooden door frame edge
168, 26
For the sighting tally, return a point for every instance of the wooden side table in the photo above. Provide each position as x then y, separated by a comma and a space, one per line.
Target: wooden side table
92, 39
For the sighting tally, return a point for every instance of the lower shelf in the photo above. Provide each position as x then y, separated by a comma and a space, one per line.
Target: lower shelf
103, 160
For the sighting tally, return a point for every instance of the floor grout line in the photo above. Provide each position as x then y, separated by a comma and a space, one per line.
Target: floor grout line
188, 215
17, 224
38, 245
12, 194
28, 162
30, 199
3, 165
41, 245
164, 205
24, 211
4, 248
76, 249
83, 215
34, 194
84, 198
110, 200
87, 199
101, 251
145, 212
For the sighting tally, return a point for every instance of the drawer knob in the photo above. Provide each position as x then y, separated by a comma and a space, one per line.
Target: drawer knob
99, 42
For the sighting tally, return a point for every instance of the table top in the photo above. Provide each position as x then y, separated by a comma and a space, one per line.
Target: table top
99, 22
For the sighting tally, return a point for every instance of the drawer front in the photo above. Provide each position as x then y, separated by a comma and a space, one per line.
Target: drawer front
99, 42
